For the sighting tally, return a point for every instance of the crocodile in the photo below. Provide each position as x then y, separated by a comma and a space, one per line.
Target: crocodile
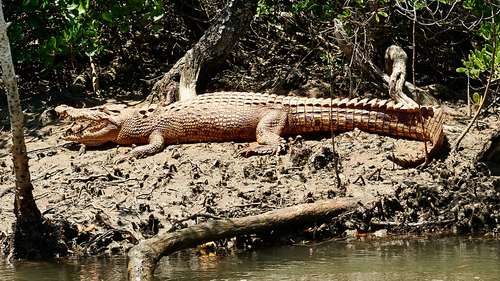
244, 116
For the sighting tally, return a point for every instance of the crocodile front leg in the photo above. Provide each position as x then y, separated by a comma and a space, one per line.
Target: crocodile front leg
156, 143
268, 134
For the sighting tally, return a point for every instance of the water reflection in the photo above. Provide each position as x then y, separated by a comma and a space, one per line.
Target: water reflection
451, 258
64, 269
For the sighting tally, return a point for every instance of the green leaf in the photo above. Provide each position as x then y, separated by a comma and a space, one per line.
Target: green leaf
53, 43
49, 61
29, 9
71, 7
123, 28
158, 17
461, 70
16, 32
382, 14
81, 9
476, 98
91, 51
419, 6
34, 22
479, 55
26, 2
107, 17
157, 27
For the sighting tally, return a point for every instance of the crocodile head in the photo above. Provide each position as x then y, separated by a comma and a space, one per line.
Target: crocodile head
94, 134
103, 126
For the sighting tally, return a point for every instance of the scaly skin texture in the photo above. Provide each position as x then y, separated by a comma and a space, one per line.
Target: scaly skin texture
235, 116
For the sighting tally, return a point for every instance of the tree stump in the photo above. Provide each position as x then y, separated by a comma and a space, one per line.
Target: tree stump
208, 54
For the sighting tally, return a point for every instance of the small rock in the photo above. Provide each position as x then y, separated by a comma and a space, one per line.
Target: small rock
380, 233
176, 154
351, 233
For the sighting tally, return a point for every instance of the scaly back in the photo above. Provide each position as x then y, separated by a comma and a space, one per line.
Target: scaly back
323, 115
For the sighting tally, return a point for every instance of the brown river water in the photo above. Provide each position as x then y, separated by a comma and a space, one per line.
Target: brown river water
436, 258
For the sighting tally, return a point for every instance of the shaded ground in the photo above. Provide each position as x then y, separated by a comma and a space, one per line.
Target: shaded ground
110, 206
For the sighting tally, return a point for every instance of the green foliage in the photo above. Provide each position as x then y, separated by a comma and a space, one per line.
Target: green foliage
331, 61
479, 7
480, 61
265, 7
45, 30
476, 99
345, 14
381, 14
323, 9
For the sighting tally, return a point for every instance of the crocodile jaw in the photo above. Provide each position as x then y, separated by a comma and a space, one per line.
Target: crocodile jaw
94, 134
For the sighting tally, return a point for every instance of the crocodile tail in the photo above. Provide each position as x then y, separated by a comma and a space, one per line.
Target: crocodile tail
435, 131
376, 116
433, 122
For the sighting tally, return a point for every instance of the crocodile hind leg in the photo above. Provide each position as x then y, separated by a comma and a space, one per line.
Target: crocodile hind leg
268, 134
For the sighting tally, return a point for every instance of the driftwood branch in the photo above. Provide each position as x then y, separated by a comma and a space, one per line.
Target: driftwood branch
394, 84
143, 257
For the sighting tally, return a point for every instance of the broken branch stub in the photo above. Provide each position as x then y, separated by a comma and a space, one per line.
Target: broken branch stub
402, 90
192, 67
395, 66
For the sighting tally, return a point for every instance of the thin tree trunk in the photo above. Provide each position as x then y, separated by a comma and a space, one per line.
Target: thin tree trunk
144, 256
29, 219
94, 76
208, 54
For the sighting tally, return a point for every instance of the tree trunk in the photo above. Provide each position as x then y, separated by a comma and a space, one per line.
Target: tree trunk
144, 256
491, 150
208, 54
29, 224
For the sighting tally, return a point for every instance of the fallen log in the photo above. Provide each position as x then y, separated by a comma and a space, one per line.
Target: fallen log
144, 256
